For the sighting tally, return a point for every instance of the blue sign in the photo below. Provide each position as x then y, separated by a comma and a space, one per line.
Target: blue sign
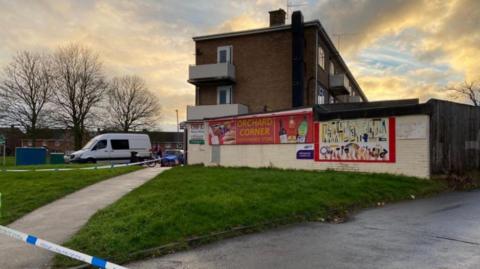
305, 152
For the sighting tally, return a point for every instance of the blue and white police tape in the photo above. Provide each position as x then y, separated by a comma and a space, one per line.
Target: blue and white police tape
30, 239
82, 168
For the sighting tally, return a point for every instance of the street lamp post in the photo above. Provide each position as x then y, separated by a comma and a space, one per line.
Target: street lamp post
178, 129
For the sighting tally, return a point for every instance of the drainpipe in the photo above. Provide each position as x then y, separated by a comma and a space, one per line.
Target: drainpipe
316, 69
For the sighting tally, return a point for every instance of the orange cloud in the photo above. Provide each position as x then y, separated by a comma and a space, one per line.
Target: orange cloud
399, 87
137, 38
242, 22
126, 45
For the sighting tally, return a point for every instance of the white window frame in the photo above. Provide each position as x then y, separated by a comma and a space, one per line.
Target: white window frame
229, 50
229, 94
321, 57
332, 68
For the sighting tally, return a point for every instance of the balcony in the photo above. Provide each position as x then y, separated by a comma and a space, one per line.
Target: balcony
213, 111
339, 85
349, 99
211, 74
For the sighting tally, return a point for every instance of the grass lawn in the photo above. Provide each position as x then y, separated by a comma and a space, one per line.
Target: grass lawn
22, 192
192, 201
10, 164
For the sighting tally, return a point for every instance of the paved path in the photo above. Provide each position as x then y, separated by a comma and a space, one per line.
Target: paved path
441, 232
58, 221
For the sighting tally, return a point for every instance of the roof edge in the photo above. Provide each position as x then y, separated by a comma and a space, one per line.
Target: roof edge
252, 31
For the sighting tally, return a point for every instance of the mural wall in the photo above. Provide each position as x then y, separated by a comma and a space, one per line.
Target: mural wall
357, 140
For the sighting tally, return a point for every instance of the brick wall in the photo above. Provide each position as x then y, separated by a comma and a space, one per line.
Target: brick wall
412, 155
263, 67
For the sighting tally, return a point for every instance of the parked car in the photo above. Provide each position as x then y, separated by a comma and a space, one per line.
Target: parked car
172, 157
117, 147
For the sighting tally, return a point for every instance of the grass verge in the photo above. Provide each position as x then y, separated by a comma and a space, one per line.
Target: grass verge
10, 163
22, 192
194, 202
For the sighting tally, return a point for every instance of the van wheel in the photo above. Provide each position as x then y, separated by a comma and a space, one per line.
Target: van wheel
91, 160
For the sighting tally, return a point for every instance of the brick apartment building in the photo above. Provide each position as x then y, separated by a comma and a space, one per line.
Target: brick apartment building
283, 97
269, 69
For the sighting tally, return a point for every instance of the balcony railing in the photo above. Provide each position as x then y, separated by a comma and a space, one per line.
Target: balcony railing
218, 73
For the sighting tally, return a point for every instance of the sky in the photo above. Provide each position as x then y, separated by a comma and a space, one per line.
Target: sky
395, 49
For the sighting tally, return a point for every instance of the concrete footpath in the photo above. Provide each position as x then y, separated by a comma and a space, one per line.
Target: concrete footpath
58, 221
438, 233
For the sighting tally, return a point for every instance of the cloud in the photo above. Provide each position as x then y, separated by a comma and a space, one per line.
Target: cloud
377, 36
127, 39
242, 22
148, 38
399, 87
397, 48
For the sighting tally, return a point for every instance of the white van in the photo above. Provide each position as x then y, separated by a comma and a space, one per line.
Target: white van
115, 147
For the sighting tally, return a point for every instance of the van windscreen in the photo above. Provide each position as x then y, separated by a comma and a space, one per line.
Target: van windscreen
90, 144
120, 144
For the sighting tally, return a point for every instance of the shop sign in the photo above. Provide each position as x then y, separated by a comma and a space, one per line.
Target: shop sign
282, 129
305, 152
196, 134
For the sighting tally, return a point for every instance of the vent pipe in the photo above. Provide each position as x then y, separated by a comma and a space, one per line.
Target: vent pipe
298, 68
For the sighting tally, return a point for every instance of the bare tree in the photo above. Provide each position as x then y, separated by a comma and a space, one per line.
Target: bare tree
25, 91
130, 104
79, 88
468, 90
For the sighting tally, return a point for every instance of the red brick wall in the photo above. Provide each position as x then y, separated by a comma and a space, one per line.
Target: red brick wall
53, 145
263, 64
263, 69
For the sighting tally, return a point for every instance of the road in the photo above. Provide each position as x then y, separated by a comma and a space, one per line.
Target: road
440, 232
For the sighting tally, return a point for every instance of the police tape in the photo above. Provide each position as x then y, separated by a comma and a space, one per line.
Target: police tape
82, 168
32, 240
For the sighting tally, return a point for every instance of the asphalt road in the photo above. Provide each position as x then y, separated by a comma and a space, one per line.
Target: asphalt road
441, 232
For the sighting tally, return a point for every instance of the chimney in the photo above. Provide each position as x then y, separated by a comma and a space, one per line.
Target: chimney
277, 17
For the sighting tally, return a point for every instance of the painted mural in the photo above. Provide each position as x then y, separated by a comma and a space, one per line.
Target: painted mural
222, 132
368, 140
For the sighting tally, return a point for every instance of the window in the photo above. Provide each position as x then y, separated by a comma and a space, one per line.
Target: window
101, 144
321, 57
224, 95
120, 144
224, 54
321, 94
332, 69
